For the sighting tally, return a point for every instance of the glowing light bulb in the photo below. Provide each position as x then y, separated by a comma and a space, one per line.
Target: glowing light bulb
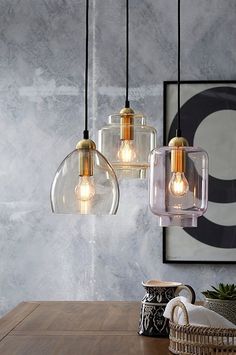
178, 185
85, 190
126, 152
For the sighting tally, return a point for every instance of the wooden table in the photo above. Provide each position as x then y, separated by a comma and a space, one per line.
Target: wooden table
76, 328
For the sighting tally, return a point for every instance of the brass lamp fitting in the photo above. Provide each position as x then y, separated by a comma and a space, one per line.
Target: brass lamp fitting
178, 154
126, 123
85, 146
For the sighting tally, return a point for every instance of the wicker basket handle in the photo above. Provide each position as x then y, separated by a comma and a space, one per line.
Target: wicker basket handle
184, 309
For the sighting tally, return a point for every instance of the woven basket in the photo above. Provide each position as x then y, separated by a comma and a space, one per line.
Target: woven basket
193, 340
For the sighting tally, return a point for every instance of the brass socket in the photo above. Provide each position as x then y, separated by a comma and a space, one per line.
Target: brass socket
126, 124
178, 142
85, 147
86, 144
178, 155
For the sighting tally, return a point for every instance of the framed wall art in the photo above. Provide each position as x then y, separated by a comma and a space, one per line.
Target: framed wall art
208, 120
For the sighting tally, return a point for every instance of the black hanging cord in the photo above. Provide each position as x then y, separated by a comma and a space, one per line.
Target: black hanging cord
127, 55
86, 132
178, 130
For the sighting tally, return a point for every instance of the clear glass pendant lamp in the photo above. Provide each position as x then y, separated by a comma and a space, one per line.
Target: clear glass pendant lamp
127, 142
85, 182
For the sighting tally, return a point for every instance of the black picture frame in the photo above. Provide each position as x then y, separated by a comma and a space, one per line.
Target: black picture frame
165, 142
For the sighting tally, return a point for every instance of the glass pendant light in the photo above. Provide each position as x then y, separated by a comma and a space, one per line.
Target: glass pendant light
178, 184
127, 140
85, 182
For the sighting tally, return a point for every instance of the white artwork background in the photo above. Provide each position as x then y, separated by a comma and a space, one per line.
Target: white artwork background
217, 127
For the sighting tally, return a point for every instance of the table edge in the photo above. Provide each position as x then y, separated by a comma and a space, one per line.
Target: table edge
14, 317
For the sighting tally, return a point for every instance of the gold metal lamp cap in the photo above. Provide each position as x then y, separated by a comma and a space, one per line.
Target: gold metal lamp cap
126, 111
86, 144
178, 142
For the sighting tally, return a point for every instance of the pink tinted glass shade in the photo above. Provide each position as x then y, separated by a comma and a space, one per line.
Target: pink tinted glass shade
178, 200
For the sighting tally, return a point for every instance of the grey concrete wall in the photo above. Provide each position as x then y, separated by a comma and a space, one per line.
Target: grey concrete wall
45, 256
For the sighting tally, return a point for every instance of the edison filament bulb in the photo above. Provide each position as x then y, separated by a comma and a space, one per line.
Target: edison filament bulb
85, 190
126, 153
178, 185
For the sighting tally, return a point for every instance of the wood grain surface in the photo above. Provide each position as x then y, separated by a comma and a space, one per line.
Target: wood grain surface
76, 328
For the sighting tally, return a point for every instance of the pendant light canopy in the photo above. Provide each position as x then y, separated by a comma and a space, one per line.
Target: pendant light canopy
85, 182
178, 184
127, 140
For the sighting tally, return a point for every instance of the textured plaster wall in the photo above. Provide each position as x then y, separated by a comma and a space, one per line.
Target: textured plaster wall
45, 256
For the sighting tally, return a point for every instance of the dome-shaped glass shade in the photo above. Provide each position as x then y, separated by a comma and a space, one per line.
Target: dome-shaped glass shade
178, 197
96, 193
127, 145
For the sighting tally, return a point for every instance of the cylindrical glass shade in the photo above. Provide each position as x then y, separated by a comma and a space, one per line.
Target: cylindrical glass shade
89, 187
127, 144
178, 198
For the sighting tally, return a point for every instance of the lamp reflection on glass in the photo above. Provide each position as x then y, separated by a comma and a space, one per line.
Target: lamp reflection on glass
84, 207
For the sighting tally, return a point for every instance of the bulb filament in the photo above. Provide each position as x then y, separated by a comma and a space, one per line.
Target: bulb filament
178, 185
127, 153
85, 190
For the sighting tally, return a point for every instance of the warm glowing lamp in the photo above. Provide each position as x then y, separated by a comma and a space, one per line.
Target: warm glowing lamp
126, 140
85, 182
178, 184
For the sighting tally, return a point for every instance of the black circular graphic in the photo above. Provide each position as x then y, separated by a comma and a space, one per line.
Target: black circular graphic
193, 112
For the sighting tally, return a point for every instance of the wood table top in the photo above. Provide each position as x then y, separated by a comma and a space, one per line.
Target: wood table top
76, 328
